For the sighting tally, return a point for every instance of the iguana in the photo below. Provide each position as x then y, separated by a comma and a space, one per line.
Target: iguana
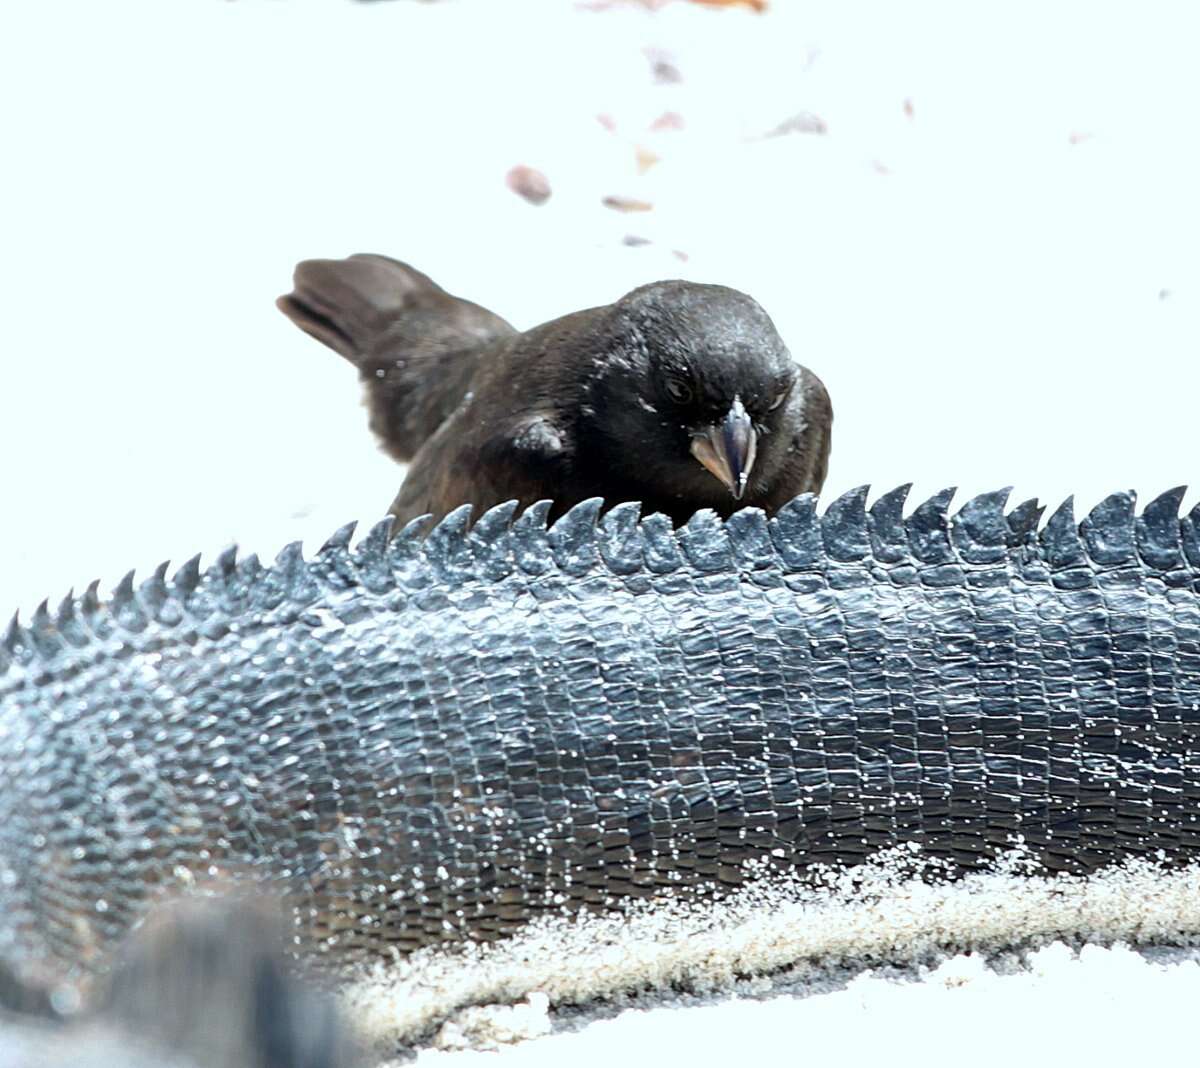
440, 734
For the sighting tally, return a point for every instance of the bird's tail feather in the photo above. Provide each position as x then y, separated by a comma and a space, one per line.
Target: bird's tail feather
416, 346
347, 304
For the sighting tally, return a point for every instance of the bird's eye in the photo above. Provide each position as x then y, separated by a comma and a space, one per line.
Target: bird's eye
678, 390
780, 397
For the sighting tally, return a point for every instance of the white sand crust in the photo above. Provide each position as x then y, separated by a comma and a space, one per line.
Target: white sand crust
776, 935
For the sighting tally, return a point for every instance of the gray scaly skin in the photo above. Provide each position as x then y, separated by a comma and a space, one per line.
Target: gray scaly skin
439, 737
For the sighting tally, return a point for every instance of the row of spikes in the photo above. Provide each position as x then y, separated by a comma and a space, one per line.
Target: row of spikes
796, 538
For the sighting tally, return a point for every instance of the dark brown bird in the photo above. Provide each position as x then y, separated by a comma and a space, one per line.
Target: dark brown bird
679, 395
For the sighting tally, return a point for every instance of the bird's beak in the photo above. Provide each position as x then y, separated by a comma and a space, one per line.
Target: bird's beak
728, 449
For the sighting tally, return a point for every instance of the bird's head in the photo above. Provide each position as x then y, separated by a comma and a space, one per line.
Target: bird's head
699, 392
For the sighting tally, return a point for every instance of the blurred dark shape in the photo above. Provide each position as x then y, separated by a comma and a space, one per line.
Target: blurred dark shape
210, 977
204, 983
21, 998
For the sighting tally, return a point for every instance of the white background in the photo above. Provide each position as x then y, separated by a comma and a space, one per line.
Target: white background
1003, 306
1001, 287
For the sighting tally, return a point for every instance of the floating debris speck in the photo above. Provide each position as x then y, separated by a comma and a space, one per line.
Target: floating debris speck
627, 204
803, 122
668, 120
646, 159
529, 184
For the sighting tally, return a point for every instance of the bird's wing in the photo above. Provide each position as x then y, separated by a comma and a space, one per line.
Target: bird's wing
526, 459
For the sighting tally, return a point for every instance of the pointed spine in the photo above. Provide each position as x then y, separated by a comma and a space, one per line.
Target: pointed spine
244, 579
42, 633
1189, 535
69, 625
92, 611
796, 533
928, 529
530, 541
447, 551
979, 530
491, 542
844, 526
183, 588
14, 645
573, 537
125, 608
885, 524
154, 594
333, 566
620, 539
370, 559
705, 542
230, 586
750, 539
1060, 538
1107, 530
1157, 531
222, 572
1023, 522
406, 554
659, 547
287, 581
